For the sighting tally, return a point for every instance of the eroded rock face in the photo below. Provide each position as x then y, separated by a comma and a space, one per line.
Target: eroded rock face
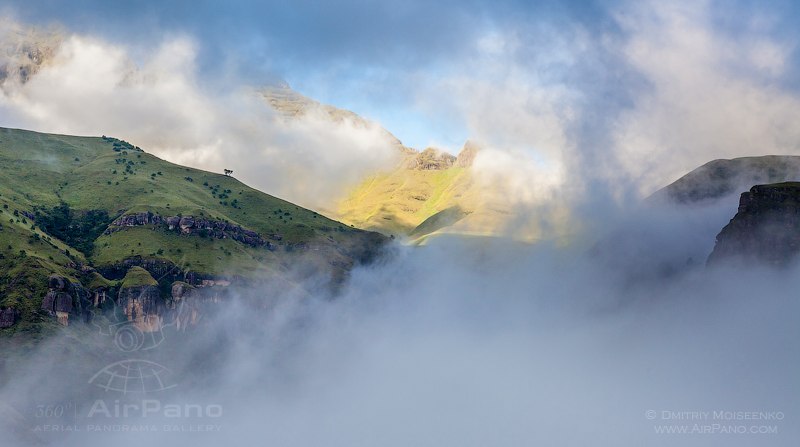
99, 296
766, 228
159, 268
467, 155
65, 298
431, 159
8, 317
143, 306
58, 301
192, 225
192, 303
138, 219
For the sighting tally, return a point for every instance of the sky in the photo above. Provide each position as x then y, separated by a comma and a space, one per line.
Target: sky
622, 96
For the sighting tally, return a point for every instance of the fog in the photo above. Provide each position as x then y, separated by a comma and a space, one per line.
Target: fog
155, 96
463, 342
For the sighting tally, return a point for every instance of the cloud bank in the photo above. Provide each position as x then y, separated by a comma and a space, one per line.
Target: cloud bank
465, 344
92, 87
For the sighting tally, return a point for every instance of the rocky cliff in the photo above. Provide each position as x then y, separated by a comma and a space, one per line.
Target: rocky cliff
65, 298
194, 225
140, 300
431, 159
765, 229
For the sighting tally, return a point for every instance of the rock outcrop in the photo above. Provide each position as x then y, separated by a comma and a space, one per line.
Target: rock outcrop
158, 268
192, 225
766, 228
467, 155
192, 303
58, 301
64, 298
293, 106
431, 159
141, 301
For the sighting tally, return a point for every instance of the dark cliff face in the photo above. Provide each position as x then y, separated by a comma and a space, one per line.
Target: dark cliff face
65, 298
766, 228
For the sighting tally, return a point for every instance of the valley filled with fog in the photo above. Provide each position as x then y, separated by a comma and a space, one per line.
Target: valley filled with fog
472, 342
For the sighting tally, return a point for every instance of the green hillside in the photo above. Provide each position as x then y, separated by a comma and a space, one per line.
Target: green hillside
60, 196
397, 202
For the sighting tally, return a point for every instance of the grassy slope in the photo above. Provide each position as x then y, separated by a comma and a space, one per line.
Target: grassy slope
138, 277
42, 169
86, 173
419, 203
398, 201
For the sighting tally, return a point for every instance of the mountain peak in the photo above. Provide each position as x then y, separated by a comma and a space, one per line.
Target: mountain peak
467, 155
294, 105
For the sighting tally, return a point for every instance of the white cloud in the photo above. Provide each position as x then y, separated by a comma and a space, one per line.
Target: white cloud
710, 95
92, 87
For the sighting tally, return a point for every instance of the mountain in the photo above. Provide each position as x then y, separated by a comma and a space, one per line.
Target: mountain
721, 178
293, 105
765, 229
90, 220
431, 193
428, 191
